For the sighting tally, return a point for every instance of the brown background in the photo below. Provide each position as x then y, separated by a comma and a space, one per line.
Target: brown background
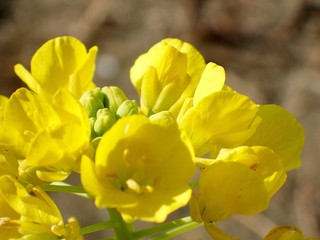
270, 49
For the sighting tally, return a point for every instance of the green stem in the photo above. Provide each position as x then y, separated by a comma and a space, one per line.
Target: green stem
64, 187
123, 231
97, 227
177, 231
161, 228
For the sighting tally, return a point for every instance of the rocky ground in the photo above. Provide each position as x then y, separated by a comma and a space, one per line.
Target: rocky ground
270, 49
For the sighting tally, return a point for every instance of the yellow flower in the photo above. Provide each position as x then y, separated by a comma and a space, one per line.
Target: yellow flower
137, 169
222, 119
280, 131
50, 137
166, 75
62, 62
240, 181
36, 215
286, 233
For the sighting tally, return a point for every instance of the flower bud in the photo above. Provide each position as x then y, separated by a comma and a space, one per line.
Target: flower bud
115, 97
92, 121
128, 107
162, 118
105, 119
93, 100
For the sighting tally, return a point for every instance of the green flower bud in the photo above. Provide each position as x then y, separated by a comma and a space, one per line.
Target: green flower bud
128, 107
93, 100
105, 120
92, 121
115, 97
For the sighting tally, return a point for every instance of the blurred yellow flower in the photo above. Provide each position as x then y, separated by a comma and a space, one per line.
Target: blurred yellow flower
137, 169
286, 233
50, 137
61, 62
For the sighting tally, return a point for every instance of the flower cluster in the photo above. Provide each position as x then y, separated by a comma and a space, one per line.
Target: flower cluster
191, 140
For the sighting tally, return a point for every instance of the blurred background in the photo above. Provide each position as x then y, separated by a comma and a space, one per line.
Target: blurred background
270, 50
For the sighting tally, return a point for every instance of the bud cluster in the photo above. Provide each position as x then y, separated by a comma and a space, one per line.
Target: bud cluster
105, 106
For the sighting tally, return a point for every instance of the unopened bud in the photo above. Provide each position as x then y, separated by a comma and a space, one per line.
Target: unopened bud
128, 107
92, 121
115, 97
105, 120
93, 100
162, 118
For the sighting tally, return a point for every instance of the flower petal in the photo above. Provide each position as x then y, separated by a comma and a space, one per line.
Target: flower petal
280, 131
230, 188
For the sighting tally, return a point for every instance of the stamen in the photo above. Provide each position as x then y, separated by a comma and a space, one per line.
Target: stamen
133, 185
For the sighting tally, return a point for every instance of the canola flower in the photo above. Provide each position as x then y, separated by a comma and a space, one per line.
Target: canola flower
139, 159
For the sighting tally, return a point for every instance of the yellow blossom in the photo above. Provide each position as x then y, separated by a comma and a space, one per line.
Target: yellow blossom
36, 215
166, 75
240, 181
137, 169
62, 62
50, 137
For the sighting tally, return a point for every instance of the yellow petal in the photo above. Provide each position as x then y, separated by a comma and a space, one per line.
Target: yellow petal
9, 228
230, 188
61, 62
284, 233
224, 119
81, 80
101, 189
195, 208
55, 176
24, 116
3, 104
37, 209
156, 206
280, 131
8, 163
150, 89
27, 77
260, 159
212, 80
